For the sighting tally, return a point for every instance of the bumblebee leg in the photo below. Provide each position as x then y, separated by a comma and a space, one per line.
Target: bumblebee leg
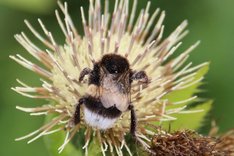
133, 121
84, 72
133, 130
94, 77
141, 75
77, 112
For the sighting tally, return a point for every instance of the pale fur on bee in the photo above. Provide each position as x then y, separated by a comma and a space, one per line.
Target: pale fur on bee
109, 95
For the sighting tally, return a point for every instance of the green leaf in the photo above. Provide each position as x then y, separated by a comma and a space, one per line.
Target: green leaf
190, 120
186, 93
54, 141
94, 148
134, 147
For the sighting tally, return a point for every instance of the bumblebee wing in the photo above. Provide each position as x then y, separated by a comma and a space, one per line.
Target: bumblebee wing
115, 94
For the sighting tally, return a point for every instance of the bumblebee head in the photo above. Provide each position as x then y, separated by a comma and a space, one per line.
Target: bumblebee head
114, 64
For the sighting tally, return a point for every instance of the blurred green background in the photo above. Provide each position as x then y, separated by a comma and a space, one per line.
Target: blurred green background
211, 21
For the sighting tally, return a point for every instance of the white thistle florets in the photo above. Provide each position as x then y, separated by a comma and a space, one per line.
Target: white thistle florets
107, 32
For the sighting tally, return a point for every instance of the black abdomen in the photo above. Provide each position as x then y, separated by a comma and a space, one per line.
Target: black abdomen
95, 106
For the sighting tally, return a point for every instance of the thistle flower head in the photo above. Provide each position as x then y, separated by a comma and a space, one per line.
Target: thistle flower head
122, 32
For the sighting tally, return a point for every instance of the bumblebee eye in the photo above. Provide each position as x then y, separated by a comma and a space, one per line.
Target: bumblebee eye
113, 69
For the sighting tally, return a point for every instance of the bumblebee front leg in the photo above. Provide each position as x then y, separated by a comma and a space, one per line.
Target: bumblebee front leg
77, 111
141, 76
85, 71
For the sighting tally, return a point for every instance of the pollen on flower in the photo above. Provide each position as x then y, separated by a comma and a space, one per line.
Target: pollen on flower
106, 32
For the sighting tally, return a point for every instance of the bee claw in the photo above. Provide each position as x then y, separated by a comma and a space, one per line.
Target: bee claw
141, 77
70, 124
84, 72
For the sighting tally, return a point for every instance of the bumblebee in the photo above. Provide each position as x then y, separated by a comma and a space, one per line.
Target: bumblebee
108, 93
